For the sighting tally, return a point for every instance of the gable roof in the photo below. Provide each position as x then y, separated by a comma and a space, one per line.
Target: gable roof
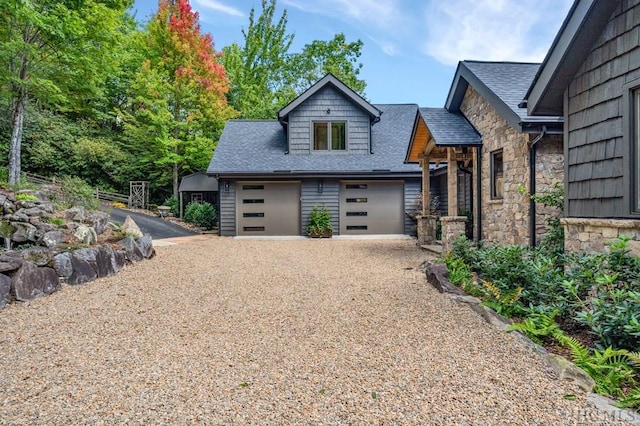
331, 80
257, 148
575, 39
448, 128
504, 85
198, 181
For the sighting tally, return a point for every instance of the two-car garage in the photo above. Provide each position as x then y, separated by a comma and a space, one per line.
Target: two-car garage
364, 207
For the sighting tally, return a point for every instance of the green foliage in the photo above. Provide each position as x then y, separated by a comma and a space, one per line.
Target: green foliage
503, 302
75, 192
201, 214
265, 76
174, 204
319, 221
58, 221
539, 326
21, 196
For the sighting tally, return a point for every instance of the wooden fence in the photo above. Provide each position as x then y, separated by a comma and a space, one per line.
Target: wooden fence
100, 194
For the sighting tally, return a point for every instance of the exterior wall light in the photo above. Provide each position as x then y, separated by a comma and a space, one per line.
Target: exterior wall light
320, 187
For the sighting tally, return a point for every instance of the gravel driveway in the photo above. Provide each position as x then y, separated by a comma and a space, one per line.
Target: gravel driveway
271, 332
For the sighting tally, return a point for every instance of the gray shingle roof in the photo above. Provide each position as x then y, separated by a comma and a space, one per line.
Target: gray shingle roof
198, 182
504, 85
258, 147
448, 128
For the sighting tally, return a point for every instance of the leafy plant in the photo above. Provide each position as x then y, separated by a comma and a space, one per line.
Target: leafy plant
21, 196
58, 221
118, 205
539, 326
174, 205
201, 214
319, 221
504, 303
75, 191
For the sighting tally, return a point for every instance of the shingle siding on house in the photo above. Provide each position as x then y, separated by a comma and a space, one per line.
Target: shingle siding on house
341, 109
595, 149
329, 197
228, 209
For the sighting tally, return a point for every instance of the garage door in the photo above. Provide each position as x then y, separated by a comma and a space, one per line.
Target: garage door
371, 208
268, 208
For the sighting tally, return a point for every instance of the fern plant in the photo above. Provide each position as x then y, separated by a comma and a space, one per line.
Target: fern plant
504, 303
539, 326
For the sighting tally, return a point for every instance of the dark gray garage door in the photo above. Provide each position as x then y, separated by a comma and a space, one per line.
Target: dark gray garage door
268, 208
371, 207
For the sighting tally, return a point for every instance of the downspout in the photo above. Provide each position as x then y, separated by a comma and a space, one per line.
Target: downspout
479, 194
532, 186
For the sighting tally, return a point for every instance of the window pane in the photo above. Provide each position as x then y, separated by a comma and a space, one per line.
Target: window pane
636, 124
320, 136
497, 175
338, 136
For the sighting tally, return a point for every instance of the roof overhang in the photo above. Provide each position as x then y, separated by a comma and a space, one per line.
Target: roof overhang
330, 80
298, 174
579, 31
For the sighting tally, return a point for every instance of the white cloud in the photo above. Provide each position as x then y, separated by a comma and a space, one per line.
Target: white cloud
219, 7
492, 30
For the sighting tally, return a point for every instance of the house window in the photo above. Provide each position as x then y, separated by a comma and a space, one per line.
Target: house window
636, 149
497, 175
330, 136
196, 197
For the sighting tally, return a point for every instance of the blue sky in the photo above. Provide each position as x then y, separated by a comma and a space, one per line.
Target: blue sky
411, 47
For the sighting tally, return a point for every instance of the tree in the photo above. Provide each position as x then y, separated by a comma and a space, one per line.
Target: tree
56, 51
178, 101
265, 76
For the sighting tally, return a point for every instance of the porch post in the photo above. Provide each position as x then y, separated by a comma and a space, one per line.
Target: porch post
452, 183
426, 222
426, 187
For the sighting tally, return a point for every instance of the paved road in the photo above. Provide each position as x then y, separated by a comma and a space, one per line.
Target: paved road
156, 227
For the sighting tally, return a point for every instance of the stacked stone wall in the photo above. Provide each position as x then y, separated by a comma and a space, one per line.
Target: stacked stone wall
549, 170
592, 235
504, 221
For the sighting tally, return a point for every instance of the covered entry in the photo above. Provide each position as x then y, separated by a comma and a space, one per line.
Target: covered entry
268, 208
371, 207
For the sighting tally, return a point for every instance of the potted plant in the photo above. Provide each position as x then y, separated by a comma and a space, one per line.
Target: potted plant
320, 223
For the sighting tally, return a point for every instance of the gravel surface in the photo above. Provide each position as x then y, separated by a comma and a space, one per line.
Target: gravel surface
271, 332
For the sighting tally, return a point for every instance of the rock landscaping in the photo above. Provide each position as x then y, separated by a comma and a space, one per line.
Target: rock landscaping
45, 247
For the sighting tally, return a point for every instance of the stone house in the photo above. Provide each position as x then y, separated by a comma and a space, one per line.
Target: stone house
512, 155
591, 76
328, 147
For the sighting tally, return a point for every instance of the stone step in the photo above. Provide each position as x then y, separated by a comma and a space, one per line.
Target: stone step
433, 248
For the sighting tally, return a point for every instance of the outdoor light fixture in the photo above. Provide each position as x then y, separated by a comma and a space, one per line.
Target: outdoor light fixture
320, 187
328, 110
226, 186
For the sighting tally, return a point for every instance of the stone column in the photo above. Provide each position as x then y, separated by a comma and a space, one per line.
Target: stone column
426, 229
426, 188
452, 228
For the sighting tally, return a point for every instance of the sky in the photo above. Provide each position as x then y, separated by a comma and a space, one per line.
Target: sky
411, 47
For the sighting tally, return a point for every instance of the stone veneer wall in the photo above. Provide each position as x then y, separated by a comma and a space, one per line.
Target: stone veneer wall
591, 235
504, 221
549, 170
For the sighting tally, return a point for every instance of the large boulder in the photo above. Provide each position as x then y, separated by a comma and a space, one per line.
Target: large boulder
131, 228
5, 290
132, 250
105, 261
24, 232
98, 220
10, 261
119, 259
85, 235
53, 238
145, 244
76, 214
41, 256
30, 281
62, 264
84, 266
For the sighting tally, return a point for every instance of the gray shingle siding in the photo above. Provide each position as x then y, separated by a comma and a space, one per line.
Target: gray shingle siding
315, 109
596, 147
329, 197
228, 209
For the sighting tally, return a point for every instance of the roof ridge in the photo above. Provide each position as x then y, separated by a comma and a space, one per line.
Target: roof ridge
475, 61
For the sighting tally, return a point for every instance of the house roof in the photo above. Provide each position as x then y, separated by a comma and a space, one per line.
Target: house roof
257, 147
331, 80
449, 128
196, 182
504, 85
580, 30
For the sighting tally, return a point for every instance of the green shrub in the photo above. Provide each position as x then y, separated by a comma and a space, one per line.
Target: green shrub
319, 221
201, 214
75, 191
21, 196
174, 204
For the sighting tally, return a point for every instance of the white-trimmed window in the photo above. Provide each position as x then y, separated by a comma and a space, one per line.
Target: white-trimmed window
329, 136
497, 175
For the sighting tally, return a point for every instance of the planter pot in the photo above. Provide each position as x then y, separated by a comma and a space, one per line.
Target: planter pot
327, 233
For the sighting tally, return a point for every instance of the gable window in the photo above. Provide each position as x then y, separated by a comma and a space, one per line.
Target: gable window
197, 197
329, 136
497, 175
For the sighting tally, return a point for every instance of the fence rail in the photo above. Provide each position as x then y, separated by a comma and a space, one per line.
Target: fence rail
100, 194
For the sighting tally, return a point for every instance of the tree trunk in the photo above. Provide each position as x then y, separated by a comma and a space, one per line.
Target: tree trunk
17, 121
175, 179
